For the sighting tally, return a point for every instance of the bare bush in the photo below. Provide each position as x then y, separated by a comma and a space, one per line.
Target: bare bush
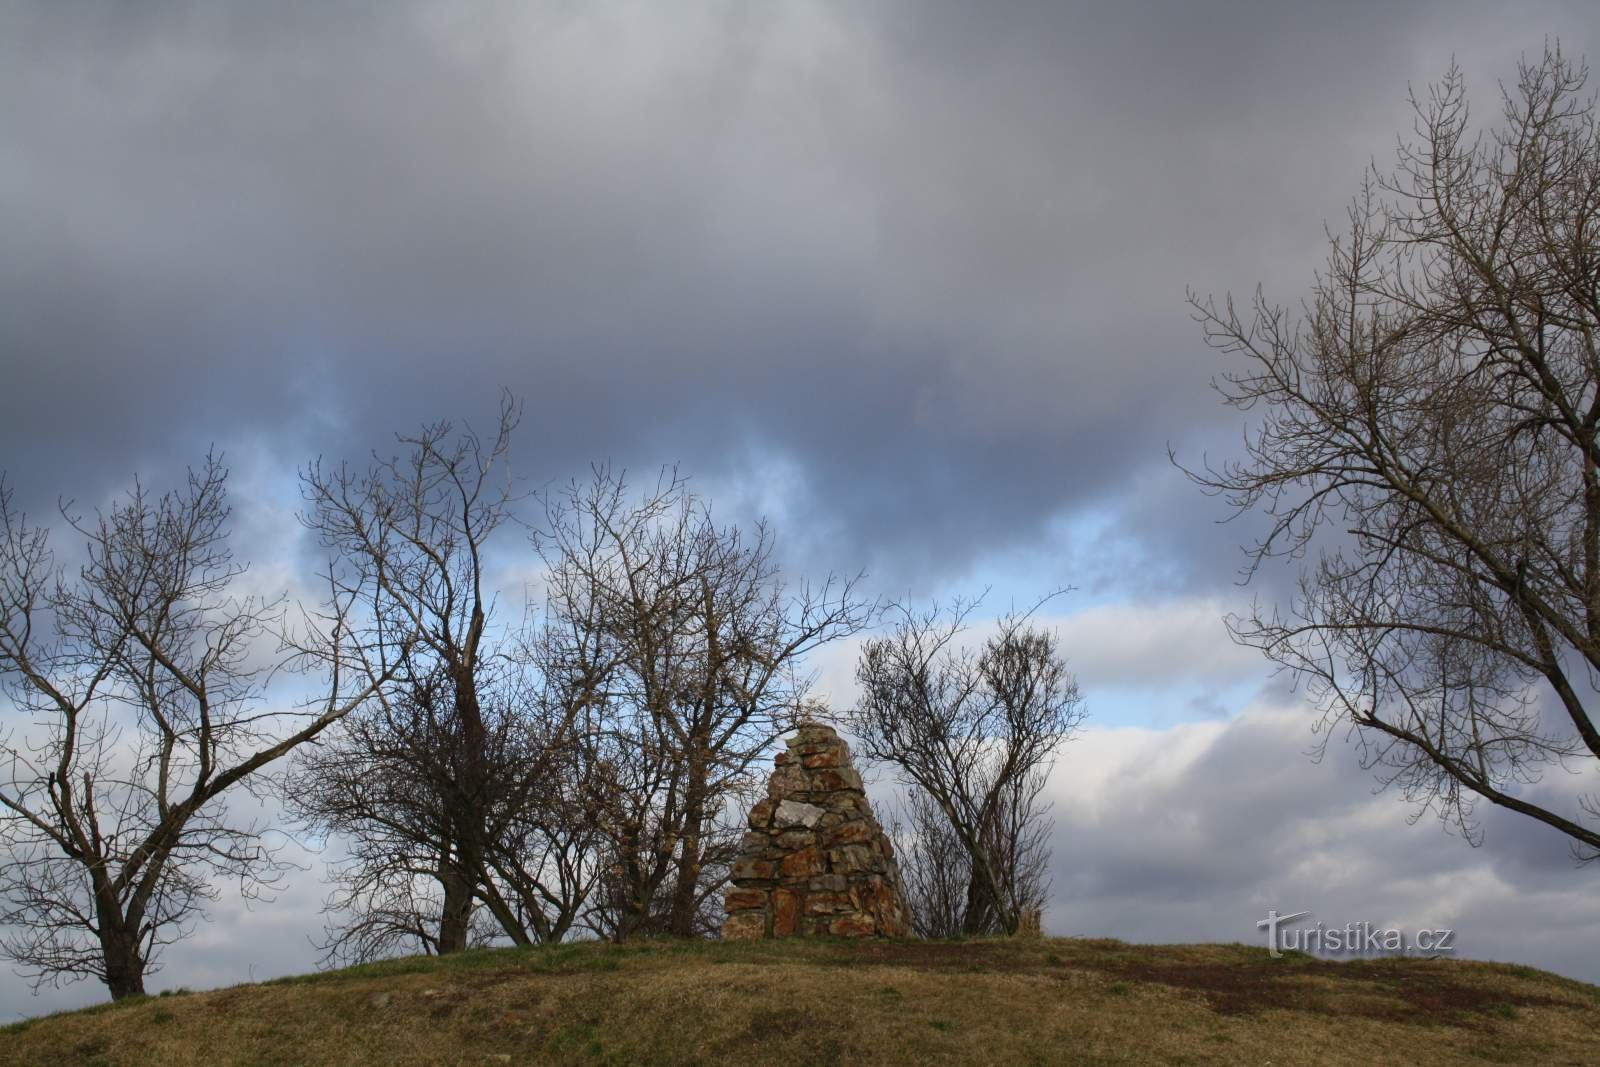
977, 732
935, 869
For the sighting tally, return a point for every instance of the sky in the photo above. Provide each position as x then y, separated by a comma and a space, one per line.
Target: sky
906, 278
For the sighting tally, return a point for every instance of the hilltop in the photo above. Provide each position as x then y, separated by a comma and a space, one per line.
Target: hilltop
833, 1002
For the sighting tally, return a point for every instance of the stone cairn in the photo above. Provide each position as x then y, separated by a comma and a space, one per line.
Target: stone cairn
815, 862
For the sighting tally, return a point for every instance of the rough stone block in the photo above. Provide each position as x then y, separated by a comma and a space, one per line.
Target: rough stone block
830, 781
853, 805
744, 926
828, 757
855, 832
785, 912
828, 903
786, 781
853, 858
797, 813
816, 733
751, 868
802, 864
853, 926
744, 899
790, 840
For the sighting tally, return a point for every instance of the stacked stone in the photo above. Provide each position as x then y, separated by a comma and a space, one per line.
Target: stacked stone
815, 862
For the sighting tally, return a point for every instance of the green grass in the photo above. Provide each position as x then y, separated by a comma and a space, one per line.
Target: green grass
820, 1002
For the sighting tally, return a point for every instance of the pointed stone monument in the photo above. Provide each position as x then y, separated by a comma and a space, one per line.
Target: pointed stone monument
815, 862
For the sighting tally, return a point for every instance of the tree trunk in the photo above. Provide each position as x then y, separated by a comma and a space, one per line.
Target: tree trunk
455, 920
119, 939
124, 964
686, 890
636, 889
458, 874
975, 915
510, 924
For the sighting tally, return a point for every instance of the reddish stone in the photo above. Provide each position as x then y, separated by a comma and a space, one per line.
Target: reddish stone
828, 757
831, 781
781, 759
850, 833
802, 864
853, 926
743, 899
785, 782
785, 912
761, 814
748, 868
878, 899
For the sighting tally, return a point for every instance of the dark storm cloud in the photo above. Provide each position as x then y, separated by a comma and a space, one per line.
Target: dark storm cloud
930, 257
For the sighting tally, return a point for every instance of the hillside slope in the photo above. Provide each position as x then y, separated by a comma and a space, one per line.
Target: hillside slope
1040, 1001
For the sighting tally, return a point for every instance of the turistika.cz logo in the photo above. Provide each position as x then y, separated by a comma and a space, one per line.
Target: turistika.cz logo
1356, 939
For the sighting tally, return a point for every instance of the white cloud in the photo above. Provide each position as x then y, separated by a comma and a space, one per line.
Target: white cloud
1151, 644
1191, 833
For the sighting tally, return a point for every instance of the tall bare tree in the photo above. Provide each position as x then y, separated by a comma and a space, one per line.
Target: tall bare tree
439, 779
1436, 403
145, 678
694, 647
977, 731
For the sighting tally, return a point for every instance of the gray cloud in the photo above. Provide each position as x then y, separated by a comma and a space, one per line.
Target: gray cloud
934, 261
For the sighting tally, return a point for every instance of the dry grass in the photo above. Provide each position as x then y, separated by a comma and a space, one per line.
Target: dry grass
1034, 1001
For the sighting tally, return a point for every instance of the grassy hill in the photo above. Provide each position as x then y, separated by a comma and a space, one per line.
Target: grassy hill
1039, 1001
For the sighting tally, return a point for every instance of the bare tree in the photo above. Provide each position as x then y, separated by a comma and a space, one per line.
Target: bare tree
145, 675
459, 759
386, 786
935, 869
1437, 403
978, 731
376, 785
693, 647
